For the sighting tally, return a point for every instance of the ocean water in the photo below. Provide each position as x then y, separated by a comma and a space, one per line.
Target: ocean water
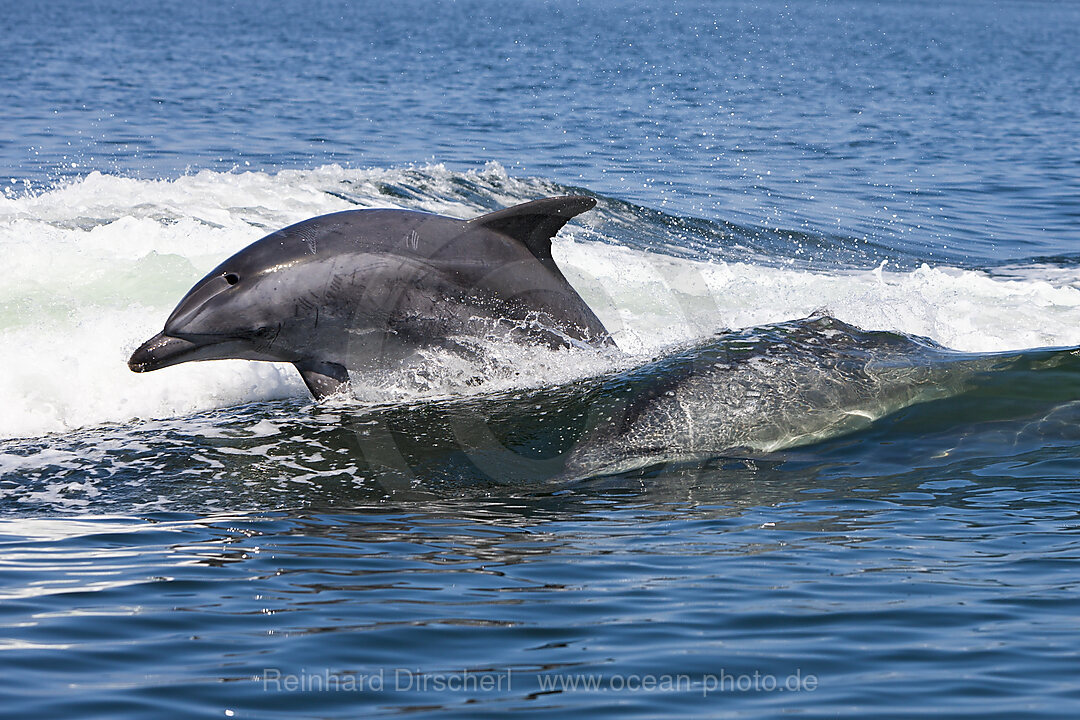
831, 471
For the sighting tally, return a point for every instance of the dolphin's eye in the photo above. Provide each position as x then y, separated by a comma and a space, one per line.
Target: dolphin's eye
231, 278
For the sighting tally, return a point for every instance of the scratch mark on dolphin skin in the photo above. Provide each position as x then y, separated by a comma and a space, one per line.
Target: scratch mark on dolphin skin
310, 238
306, 304
270, 338
334, 289
412, 240
330, 275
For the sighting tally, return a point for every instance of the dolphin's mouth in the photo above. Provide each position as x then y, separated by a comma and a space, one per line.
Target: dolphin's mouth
162, 351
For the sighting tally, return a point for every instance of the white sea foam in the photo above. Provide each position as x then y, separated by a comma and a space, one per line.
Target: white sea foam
94, 268
648, 300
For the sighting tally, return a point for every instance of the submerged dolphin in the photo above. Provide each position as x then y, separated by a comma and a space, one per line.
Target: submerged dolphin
361, 288
742, 394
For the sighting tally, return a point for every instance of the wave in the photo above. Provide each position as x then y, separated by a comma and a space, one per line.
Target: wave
868, 402
95, 266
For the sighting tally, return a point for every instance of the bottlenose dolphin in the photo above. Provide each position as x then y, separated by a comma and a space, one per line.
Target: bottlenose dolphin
745, 394
361, 288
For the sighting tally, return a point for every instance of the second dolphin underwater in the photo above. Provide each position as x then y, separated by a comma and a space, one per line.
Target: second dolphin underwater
358, 290
751, 394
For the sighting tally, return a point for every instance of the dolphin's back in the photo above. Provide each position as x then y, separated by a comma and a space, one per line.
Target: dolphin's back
504, 256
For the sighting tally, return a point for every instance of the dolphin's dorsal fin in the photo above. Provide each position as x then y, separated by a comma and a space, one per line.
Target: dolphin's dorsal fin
535, 223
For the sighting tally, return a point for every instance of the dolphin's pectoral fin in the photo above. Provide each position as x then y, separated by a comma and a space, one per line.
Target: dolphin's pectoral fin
535, 223
323, 378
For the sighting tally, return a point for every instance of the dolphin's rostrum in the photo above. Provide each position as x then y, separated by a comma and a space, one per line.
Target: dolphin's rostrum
360, 288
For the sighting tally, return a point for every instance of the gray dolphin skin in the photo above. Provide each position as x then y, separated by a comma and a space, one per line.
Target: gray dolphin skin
362, 288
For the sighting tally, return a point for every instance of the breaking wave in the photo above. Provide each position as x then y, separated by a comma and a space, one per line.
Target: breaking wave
95, 266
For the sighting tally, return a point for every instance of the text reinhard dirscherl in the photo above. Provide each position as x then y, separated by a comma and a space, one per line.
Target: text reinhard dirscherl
477, 681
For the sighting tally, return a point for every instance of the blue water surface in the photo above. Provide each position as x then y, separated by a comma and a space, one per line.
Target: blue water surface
927, 565
946, 126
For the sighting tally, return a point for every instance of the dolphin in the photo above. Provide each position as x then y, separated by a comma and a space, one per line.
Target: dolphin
359, 289
754, 394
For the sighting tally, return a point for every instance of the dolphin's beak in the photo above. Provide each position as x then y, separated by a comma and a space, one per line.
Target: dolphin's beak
162, 351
